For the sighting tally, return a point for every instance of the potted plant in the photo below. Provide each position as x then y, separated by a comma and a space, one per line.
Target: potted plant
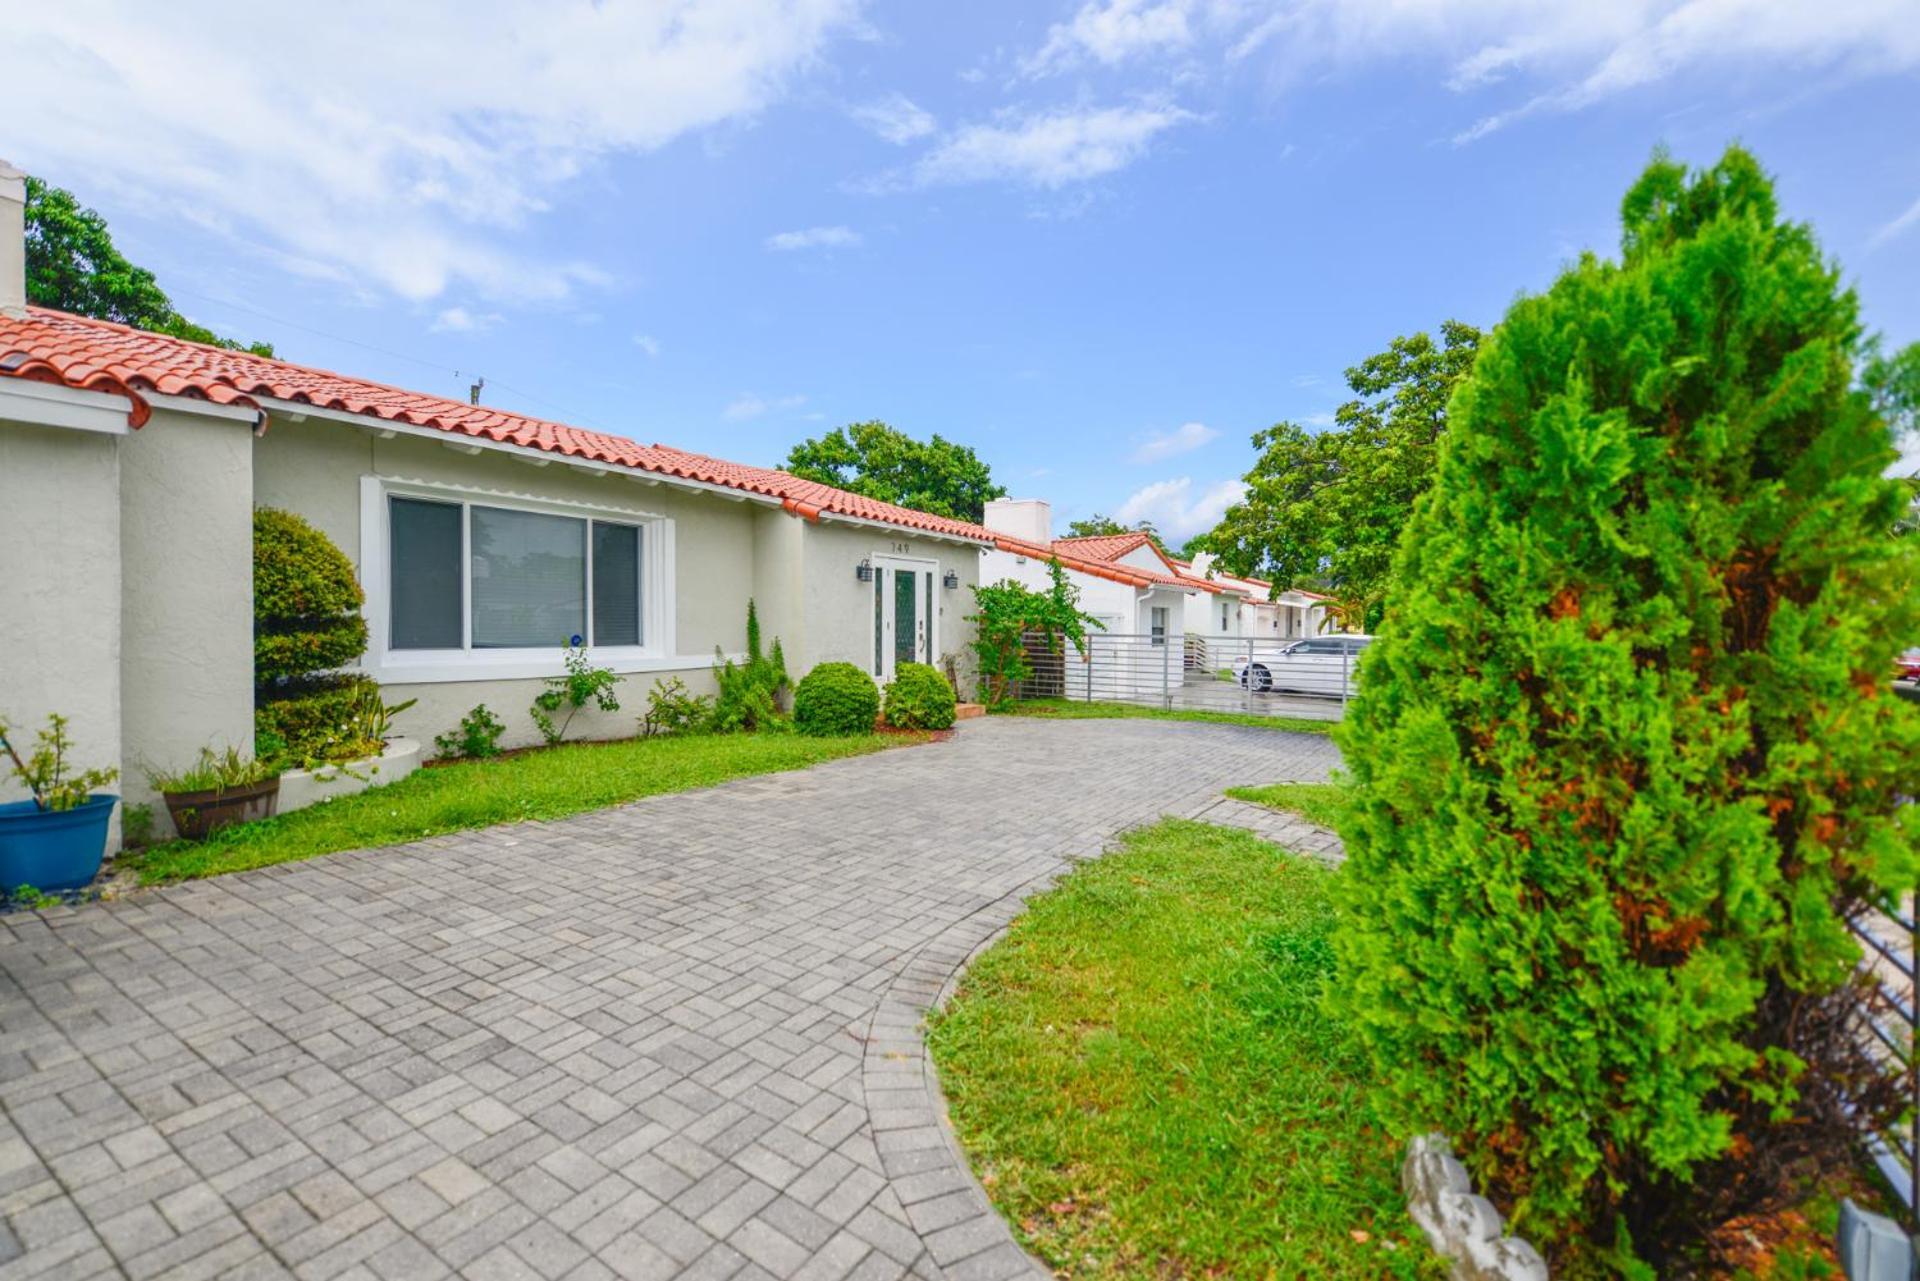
56, 840
218, 789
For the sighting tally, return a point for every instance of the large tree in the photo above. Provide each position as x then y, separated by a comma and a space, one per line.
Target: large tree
873, 459
73, 265
1624, 756
1326, 508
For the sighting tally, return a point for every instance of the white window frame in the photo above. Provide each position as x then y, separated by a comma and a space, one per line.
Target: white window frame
407, 666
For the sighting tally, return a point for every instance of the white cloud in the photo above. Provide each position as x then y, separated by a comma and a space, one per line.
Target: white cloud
458, 320
647, 343
896, 118
1183, 439
392, 146
1112, 33
1176, 511
748, 405
1563, 56
1048, 149
1895, 226
814, 238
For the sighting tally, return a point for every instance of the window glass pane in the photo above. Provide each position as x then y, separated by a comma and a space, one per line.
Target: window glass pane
616, 584
529, 579
423, 574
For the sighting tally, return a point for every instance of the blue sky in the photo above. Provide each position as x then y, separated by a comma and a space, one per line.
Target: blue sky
1101, 242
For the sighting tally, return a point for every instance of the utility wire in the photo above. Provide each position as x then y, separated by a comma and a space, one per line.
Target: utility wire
567, 414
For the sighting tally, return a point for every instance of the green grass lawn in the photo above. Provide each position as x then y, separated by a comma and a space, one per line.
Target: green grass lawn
450, 798
1142, 1075
1070, 709
1315, 802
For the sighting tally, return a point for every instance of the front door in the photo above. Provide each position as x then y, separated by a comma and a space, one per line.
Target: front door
903, 614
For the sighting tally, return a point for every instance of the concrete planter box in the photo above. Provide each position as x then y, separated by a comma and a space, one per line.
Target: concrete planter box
300, 788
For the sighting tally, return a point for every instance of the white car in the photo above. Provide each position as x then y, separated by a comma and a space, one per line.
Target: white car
1315, 665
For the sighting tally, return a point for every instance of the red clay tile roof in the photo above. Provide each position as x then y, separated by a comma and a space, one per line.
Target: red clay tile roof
1109, 548
97, 355
1101, 546
1061, 550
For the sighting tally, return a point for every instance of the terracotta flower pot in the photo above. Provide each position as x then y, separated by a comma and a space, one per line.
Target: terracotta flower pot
196, 815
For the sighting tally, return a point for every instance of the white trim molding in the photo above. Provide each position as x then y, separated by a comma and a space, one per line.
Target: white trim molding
390, 666
23, 400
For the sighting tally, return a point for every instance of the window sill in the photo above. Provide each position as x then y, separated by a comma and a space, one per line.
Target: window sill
439, 669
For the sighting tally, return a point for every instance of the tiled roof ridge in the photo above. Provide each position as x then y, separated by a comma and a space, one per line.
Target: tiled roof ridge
102, 355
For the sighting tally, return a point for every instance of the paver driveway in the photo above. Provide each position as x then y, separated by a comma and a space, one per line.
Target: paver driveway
675, 1038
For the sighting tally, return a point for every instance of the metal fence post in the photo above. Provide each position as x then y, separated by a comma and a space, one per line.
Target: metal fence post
1166, 652
1346, 659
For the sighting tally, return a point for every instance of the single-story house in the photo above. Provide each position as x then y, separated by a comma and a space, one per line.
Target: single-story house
1265, 613
1124, 581
130, 465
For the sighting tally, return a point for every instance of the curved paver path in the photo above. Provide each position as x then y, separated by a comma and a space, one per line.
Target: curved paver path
677, 1038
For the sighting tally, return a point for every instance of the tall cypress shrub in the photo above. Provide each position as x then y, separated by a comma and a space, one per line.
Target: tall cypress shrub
1625, 750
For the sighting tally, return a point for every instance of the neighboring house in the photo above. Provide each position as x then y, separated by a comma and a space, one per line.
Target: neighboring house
1265, 614
130, 464
1123, 580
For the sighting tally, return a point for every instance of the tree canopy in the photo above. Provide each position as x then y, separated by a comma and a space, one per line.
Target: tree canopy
1327, 508
73, 265
880, 462
1624, 756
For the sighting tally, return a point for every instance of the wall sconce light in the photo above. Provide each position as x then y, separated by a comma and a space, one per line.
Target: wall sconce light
951, 581
864, 571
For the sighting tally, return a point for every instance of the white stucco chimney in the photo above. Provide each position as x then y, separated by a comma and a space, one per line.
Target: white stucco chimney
1203, 563
13, 240
1028, 518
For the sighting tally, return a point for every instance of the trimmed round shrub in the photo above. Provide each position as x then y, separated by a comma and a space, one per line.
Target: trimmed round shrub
919, 698
306, 624
314, 718
1624, 755
835, 699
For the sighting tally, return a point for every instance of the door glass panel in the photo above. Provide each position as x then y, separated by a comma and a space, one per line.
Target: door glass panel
905, 609
879, 623
926, 623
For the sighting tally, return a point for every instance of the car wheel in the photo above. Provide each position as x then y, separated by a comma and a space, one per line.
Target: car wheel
1259, 679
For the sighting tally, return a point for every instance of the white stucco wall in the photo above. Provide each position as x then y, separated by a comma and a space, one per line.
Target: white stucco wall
314, 468
1116, 605
186, 554
60, 590
837, 608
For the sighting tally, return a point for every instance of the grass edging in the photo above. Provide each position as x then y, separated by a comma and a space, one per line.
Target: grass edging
1067, 709
1138, 1073
1318, 803
545, 784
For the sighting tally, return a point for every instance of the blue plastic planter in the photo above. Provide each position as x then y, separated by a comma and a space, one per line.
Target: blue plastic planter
53, 849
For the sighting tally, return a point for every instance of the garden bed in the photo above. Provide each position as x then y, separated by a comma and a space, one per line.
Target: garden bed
1146, 1085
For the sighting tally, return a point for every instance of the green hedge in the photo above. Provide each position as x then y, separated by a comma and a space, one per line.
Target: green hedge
314, 718
834, 699
919, 697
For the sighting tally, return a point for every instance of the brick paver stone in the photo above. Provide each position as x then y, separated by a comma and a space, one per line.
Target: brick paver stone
676, 1038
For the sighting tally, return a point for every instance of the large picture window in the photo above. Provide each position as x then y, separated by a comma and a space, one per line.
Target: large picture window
475, 576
